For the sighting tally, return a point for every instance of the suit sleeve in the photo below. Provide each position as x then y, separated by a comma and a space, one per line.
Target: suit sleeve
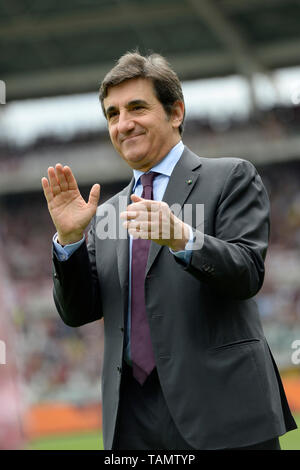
76, 289
232, 261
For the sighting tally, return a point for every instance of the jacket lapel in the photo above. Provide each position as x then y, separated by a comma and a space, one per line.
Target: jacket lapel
123, 246
181, 183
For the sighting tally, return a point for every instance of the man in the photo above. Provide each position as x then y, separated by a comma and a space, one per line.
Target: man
186, 363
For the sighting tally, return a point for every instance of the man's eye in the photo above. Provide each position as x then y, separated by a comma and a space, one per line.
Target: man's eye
112, 115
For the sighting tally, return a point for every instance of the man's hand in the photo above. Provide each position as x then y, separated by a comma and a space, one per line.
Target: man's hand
69, 211
154, 220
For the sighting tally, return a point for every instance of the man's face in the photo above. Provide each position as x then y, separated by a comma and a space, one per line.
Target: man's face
139, 128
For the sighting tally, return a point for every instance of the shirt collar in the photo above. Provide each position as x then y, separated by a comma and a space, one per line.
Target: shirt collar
166, 165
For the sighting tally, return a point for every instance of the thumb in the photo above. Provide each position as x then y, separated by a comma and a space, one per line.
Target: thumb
136, 198
94, 196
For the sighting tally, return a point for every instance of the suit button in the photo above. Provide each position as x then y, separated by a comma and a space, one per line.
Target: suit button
208, 269
55, 275
119, 369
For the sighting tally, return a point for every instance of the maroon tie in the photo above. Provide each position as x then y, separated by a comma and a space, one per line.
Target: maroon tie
141, 347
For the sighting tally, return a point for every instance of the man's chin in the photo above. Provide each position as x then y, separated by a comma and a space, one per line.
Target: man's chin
135, 160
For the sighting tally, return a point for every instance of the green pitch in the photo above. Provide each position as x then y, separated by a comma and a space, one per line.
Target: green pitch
93, 441
74, 441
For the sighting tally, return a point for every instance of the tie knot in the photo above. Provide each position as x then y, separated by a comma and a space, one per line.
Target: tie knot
147, 178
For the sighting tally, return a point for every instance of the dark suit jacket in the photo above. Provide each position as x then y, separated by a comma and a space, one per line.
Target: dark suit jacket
214, 364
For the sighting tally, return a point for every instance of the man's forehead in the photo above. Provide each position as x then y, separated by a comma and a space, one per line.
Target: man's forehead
129, 90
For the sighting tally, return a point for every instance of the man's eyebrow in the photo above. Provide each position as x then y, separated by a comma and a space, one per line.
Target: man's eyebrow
135, 102
131, 103
110, 109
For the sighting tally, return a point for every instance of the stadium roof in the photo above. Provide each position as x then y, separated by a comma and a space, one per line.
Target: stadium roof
54, 47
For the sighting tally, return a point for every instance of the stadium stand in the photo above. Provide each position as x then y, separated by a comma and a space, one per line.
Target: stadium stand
58, 48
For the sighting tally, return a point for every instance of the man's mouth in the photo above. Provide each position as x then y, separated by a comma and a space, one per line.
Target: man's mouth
131, 137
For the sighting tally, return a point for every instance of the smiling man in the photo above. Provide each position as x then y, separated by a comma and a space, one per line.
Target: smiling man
139, 127
186, 363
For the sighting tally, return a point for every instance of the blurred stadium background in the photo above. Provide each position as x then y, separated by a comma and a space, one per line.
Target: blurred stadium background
240, 66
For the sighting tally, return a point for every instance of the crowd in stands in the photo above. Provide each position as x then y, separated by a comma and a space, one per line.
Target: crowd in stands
62, 363
56, 362
279, 299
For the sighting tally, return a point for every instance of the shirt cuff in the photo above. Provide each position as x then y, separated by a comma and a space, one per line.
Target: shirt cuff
64, 252
185, 255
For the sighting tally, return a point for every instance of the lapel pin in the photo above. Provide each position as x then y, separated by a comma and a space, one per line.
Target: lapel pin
189, 181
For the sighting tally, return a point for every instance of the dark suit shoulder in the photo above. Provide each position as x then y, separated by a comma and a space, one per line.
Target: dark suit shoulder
225, 162
225, 168
216, 163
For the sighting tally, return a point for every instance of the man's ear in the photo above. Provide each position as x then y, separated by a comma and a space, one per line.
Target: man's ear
177, 113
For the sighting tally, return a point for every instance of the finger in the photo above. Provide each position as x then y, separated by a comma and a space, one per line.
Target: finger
47, 190
136, 198
94, 196
143, 205
139, 200
61, 177
127, 225
54, 185
149, 228
140, 229
128, 215
133, 224
144, 235
70, 178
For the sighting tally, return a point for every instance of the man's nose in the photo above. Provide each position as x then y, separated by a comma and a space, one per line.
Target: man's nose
125, 123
